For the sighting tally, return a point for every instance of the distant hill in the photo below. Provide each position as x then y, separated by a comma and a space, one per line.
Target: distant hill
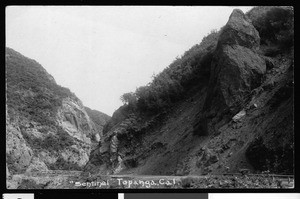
99, 118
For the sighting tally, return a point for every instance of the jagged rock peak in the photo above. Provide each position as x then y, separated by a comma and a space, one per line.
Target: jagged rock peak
237, 68
239, 31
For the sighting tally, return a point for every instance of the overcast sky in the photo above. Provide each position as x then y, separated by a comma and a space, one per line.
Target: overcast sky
101, 52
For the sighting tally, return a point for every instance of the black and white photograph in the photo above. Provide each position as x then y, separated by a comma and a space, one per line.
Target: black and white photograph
149, 97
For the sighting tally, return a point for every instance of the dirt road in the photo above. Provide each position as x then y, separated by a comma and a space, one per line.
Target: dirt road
58, 179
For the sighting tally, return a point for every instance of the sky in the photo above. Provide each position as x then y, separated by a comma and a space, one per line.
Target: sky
102, 52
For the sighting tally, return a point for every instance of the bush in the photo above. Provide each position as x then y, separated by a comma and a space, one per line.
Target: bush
30, 89
275, 25
61, 164
262, 158
58, 142
129, 98
167, 87
187, 182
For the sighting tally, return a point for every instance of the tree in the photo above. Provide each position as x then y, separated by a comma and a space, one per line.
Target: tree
129, 98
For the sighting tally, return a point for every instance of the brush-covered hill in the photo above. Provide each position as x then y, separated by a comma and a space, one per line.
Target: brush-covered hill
226, 104
99, 119
47, 126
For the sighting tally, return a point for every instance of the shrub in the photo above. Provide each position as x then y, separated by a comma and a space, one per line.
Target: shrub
167, 87
187, 182
275, 25
24, 75
58, 142
61, 164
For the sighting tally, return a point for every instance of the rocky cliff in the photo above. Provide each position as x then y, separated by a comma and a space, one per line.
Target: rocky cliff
237, 114
237, 68
47, 126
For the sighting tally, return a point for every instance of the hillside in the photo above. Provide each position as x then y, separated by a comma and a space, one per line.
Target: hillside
47, 126
226, 104
99, 119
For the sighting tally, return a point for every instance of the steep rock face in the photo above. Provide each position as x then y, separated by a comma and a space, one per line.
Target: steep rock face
36, 166
107, 156
72, 117
76, 155
47, 126
237, 68
37, 147
18, 153
117, 147
240, 31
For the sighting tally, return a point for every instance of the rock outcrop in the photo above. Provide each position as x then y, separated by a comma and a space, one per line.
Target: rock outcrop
18, 153
72, 117
207, 158
239, 31
237, 68
36, 165
108, 156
